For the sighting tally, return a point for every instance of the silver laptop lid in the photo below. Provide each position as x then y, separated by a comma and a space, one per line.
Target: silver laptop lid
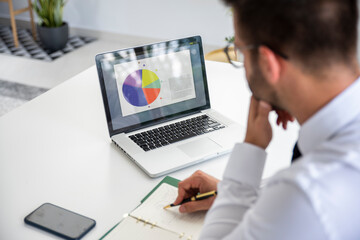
147, 85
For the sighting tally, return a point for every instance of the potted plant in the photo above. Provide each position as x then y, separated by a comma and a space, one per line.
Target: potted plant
52, 31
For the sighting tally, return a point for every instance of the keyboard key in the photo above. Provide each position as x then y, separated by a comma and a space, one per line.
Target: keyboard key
141, 142
175, 132
214, 125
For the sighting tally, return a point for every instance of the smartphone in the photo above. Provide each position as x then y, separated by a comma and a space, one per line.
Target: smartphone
60, 221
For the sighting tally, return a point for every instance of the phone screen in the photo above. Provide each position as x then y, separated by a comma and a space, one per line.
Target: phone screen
60, 221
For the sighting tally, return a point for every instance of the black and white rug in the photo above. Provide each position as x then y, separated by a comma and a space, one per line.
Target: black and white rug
30, 48
13, 95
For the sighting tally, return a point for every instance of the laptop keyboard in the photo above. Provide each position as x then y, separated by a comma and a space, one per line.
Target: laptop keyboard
175, 132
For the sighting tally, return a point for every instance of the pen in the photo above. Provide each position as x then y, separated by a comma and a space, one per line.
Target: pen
195, 198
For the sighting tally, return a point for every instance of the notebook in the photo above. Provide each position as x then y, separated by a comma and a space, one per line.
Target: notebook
157, 106
154, 222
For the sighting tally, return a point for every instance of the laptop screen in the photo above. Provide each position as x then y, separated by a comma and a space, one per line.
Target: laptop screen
147, 85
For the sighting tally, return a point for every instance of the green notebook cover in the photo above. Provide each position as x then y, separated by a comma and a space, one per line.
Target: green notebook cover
169, 180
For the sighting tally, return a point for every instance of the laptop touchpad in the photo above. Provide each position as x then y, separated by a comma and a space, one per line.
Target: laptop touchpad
200, 147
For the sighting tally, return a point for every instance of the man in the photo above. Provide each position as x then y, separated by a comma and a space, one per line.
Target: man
299, 56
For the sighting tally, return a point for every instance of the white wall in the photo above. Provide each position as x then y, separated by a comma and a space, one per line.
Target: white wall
160, 19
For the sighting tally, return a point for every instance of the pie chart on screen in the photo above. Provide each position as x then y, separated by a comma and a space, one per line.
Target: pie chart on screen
141, 87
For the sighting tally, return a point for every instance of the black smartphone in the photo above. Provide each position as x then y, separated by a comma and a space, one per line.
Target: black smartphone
60, 221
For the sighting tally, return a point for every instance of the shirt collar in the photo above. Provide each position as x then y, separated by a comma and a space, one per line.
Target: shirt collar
329, 119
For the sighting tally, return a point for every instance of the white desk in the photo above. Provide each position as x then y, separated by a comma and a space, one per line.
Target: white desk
56, 149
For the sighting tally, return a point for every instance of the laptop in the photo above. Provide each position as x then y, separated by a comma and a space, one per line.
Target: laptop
157, 106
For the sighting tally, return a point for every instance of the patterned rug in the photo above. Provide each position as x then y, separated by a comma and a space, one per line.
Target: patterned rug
13, 95
30, 48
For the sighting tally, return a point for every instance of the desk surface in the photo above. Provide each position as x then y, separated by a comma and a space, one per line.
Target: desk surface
56, 149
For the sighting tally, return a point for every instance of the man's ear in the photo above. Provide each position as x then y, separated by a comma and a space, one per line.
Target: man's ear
269, 64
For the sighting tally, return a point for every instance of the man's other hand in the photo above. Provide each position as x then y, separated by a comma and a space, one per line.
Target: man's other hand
283, 118
199, 182
259, 130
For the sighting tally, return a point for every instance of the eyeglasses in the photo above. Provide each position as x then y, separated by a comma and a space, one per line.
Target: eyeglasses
235, 54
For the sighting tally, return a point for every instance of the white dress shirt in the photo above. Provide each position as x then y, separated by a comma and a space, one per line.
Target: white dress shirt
317, 197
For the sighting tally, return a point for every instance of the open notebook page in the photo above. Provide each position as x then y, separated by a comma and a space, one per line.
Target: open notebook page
153, 210
131, 229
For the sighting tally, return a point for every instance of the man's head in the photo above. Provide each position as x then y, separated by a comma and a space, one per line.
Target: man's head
311, 32
312, 35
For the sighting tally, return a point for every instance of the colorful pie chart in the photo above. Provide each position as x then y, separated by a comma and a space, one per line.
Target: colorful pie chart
141, 87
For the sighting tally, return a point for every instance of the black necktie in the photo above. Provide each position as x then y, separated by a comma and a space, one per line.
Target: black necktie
296, 153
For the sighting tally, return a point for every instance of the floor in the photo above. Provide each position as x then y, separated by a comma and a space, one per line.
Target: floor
13, 95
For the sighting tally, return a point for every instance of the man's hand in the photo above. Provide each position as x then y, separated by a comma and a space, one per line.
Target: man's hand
199, 182
259, 130
283, 118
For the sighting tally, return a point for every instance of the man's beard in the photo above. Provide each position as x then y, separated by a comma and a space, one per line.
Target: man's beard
261, 89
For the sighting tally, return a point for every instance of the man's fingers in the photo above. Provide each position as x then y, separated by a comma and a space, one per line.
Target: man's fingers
198, 182
253, 108
285, 125
283, 118
181, 196
187, 188
196, 205
279, 118
185, 191
264, 109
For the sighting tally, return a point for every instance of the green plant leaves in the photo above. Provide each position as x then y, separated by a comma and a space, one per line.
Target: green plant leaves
230, 39
50, 12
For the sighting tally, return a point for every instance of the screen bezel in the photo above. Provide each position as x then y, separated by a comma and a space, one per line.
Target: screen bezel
58, 233
139, 49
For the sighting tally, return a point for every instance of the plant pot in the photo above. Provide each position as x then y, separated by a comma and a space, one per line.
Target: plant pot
53, 38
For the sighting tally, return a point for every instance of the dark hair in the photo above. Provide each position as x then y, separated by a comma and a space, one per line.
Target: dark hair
313, 32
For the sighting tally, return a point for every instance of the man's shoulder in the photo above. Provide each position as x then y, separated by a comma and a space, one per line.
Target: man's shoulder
329, 169
338, 154
328, 160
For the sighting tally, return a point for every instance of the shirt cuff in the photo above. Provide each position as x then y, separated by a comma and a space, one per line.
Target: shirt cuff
246, 164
